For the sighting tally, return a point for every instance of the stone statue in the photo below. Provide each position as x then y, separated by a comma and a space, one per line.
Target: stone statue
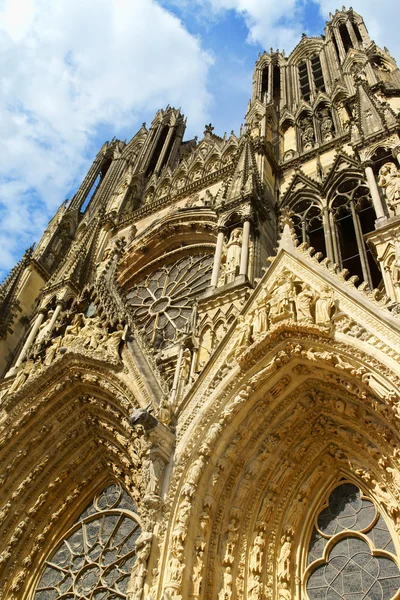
114, 340
51, 351
389, 180
260, 318
324, 306
257, 554
121, 190
284, 557
234, 247
164, 411
72, 331
244, 338
139, 572
282, 298
185, 366
226, 592
231, 540
326, 124
304, 301
307, 133
44, 329
93, 332
22, 375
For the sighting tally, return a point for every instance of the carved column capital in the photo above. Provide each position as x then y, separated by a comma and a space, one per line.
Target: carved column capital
367, 163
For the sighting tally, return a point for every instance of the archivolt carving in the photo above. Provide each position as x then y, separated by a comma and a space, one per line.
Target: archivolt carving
335, 420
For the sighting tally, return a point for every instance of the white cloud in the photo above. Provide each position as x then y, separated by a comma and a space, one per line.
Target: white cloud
381, 19
67, 68
271, 23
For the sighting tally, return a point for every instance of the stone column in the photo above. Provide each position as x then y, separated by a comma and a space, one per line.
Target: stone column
55, 316
327, 234
244, 255
176, 375
193, 365
217, 257
373, 188
28, 343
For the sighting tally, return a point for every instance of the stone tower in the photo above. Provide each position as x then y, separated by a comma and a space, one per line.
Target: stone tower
200, 360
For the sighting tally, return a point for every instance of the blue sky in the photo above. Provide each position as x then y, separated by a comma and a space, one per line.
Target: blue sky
74, 74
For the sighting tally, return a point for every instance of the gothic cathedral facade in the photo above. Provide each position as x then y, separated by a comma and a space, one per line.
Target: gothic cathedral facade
200, 360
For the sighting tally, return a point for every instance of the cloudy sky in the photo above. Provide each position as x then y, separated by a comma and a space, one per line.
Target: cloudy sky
75, 73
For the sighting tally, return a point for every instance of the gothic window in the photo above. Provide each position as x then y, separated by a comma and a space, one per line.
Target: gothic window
304, 81
354, 217
307, 219
162, 303
351, 552
276, 84
95, 559
95, 186
346, 39
265, 84
317, 74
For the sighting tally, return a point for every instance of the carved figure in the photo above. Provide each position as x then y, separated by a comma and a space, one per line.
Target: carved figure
257, 554
44, 329
282, 298
92, 332
226, 592
72, 331
307, 133
284, 557
326, 124
51, 351
260, 320
389, 180
114, 340
234, 248
22, 375
304, 302
164, 412
139, 572
244, 338
324, 306
231, 540
185, 366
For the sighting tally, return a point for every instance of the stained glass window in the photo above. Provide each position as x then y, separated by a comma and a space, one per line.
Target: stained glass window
352, 570
163, 303
95, 559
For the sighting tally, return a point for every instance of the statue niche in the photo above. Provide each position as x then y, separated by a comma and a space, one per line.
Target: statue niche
234, 248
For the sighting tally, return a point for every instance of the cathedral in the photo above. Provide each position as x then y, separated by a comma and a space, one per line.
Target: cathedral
200, 359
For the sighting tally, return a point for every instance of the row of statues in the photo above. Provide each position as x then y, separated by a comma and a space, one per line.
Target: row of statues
289, 299
89, 333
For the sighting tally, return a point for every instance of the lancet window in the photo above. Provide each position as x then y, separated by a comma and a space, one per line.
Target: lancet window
95, 186
96, 556
307, 219
351, 554
353, 216
338, 229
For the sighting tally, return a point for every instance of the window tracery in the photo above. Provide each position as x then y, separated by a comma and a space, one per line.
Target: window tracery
162, 303
95, 559
351, 552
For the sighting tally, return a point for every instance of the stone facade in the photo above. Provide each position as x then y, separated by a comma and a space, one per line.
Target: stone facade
200, 393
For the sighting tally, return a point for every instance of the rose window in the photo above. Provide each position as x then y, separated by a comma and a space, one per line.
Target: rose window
96, 556
351, 551
162, 304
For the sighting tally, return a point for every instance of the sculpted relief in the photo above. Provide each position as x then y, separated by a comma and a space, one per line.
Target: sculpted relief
289, 299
